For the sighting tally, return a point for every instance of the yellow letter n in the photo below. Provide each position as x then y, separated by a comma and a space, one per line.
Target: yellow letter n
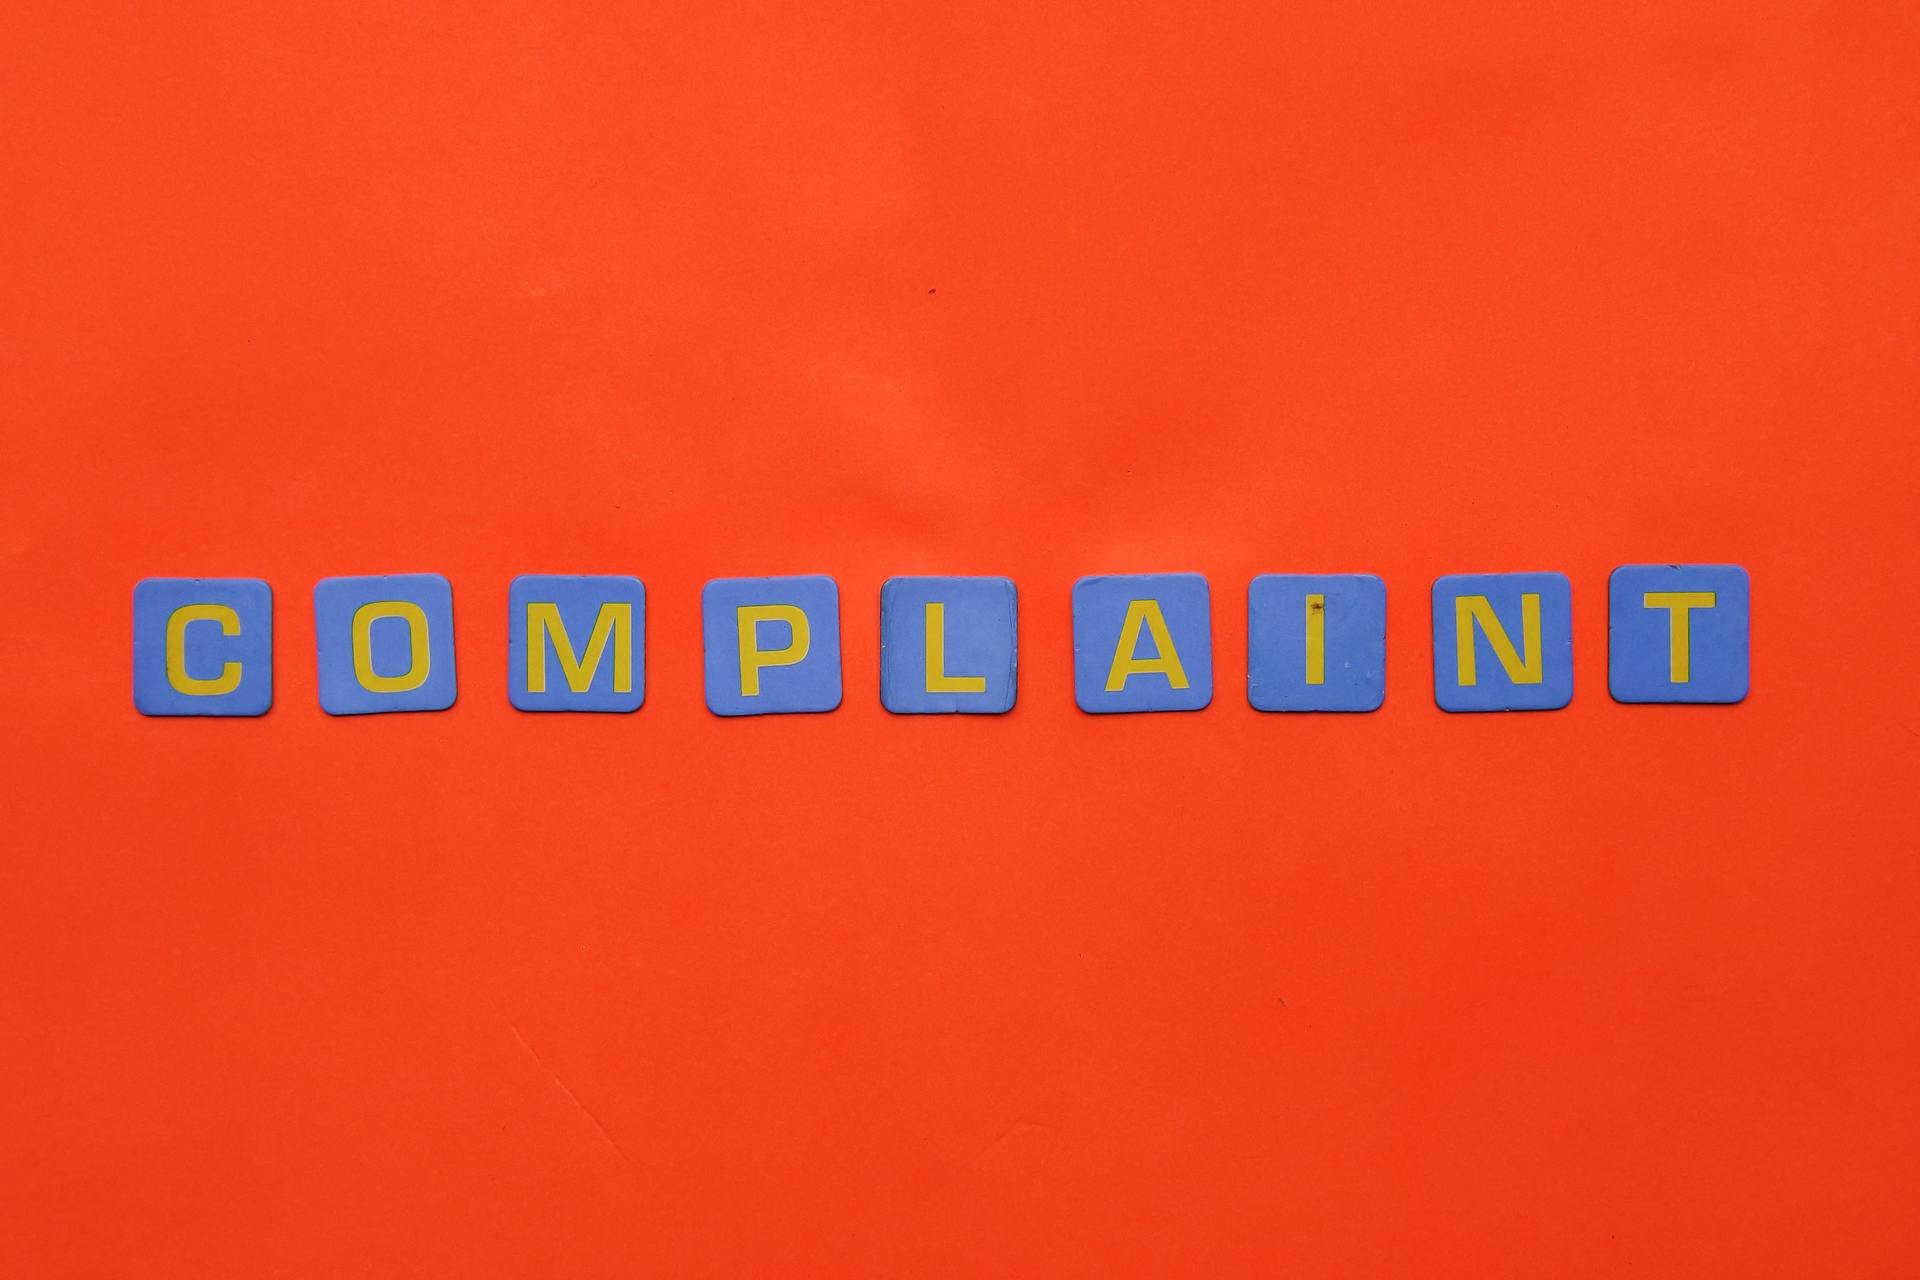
1521, 668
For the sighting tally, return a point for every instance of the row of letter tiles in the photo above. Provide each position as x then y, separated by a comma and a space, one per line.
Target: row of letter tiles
1141, 642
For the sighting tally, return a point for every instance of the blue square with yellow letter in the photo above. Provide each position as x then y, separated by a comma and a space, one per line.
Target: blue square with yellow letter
384, 643
1503, 641
1316, 642
202, 647
1677, 633
1142, 642
948, 645
576, 642
772, 644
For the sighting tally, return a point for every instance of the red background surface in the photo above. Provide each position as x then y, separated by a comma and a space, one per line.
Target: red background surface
911, 288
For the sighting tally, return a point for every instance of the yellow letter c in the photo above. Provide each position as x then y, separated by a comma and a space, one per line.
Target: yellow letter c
229, 678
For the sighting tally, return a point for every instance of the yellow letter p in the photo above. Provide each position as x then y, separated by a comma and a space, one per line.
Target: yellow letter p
753, 657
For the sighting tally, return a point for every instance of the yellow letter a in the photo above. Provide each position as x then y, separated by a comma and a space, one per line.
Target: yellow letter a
1127, 663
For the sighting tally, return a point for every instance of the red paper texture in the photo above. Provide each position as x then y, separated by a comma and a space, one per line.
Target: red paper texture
716, 290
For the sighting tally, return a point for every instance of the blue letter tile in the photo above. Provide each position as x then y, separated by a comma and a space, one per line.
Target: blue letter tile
576, 642
202, 647
1316, 642
947, 645
791, 657
384, 643
1677, 633
1142, 642
1503, 641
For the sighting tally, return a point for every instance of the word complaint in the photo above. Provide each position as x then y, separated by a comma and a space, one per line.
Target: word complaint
1141, 642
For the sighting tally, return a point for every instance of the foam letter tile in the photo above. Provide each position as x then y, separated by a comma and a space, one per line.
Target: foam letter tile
772, 645
202, 647
1677, 633
576, 642
1316, 642
948, 645
1503, 641
1142, 642
384, 643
